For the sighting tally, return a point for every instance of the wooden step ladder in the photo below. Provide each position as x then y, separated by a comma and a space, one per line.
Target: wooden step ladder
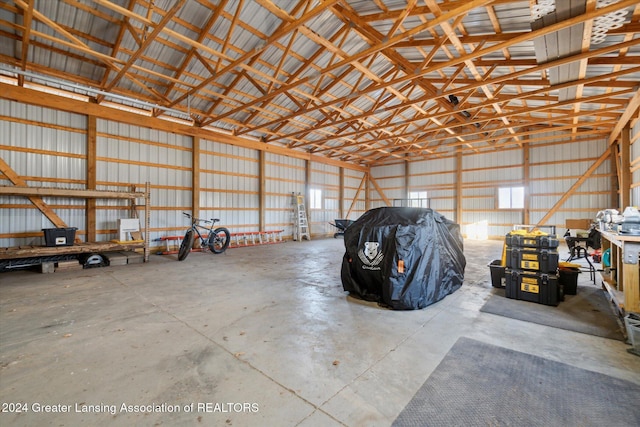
300, 221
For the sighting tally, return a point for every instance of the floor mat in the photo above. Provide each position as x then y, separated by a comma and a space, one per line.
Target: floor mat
587, 312
479, 384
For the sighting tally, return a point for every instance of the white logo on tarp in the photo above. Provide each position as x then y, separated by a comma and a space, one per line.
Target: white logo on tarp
370, 256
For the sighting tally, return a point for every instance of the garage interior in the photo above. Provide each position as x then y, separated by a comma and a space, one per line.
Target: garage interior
498, 115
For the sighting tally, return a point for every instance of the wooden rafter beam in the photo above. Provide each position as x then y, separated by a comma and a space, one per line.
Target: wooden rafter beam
475, 85
124, 25
356, 57
231, 87
150, 38
629, 112
421, 138
259, 49
193, 51
75, 43
542, 108
34, 97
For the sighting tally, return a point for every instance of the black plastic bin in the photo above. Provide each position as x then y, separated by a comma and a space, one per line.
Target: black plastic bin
497, 273
59, 236
568, 278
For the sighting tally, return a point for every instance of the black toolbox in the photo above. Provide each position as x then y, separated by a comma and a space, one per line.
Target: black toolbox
542, 288
542, 260
532, 241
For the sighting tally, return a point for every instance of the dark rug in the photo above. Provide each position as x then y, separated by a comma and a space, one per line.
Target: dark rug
588, 312
479, 384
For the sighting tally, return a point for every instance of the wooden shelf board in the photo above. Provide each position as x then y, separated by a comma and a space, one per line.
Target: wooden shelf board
80, 248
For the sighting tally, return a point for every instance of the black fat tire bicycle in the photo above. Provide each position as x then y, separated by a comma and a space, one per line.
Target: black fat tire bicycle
217, 240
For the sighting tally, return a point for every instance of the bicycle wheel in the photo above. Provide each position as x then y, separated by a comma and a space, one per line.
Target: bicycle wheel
219, 240
186, 245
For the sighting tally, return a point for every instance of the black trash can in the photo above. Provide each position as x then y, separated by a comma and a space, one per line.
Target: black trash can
497, 273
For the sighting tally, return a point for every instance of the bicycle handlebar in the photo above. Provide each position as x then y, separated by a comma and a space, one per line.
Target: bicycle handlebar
206, 221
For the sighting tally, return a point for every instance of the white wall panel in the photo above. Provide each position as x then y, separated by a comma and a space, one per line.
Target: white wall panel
43, 156
428, 166
128, 155
553, 170
283, 176
326, 178
229, 182
352, 181
496, 160
389, 170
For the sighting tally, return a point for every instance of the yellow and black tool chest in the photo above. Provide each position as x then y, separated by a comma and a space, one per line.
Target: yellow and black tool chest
531, 260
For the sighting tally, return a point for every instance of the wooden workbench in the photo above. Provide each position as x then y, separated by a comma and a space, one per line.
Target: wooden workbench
622, 280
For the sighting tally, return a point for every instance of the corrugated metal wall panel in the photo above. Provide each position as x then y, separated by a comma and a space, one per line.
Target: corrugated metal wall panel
43, 156
132, 155
229, 182
553, 170
283, 176
352, 181
388, 170
391, 180
427, 166
498, 159
325, 178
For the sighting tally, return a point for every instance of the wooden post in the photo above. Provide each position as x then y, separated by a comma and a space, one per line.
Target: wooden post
406, 179
307, 193
91, 164
625, 168
341, 194
459, 187
195, 176
262, 182
614, 176
527, 181
367, 196
147, 219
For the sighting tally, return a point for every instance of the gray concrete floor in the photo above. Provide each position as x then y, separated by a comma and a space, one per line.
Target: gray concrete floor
264, 335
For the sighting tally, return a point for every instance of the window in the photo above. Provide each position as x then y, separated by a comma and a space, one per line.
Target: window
511, 198
418, 199
315, 201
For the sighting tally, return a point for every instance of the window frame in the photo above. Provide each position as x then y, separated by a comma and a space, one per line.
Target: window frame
313, 200
511, 198
423, 201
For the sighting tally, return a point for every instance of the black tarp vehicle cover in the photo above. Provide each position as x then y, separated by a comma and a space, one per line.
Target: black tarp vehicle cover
403, 258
